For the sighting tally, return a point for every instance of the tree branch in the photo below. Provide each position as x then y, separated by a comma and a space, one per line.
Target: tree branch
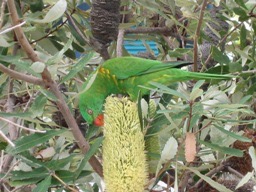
52, 85
119, 44
21, 76
197, 34
2, 9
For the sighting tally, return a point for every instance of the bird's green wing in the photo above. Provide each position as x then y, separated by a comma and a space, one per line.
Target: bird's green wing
125, 67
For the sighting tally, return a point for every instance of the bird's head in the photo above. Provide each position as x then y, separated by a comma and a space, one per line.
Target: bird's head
91, 111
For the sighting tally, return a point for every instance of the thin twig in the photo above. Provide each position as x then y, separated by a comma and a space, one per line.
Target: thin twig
245, 72
51, 32
221, 41
209, 174
197, 34
22, 127
76, 28
120, 42
12, 28
63, 183
9, 170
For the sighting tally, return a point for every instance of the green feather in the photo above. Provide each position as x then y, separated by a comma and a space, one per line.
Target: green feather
125, 75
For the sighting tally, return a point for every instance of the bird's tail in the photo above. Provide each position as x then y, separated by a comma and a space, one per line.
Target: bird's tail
208, 76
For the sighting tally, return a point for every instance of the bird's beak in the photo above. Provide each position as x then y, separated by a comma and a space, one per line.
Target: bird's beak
99, 120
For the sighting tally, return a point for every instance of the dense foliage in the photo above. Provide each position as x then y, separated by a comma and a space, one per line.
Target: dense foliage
47, 50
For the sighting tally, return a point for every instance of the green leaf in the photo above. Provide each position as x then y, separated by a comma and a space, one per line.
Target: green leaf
167, 90
29, 141
37, 107
243, 34
38, 67
93, 149
241, 3
68, 176
59, 55
37, 5
48, 94
4, 42
245, 179
21, 115
77, 67
225, 150
59, 45
54, 13
231, 134
43, 185
25, 182
245, 99
19, 63
211, 182
219, 56
242, 13
235, 67
39, 173
58, 164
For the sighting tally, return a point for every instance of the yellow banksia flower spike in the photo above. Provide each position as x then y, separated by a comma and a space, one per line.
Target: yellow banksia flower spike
124, 158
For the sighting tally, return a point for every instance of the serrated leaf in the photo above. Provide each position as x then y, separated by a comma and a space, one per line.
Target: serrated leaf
38, 67
225, 150
211, 182
77, 67
26, 142
54, 13
43, 185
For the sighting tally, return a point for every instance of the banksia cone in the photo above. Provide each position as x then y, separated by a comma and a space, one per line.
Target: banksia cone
105, 18
124, 159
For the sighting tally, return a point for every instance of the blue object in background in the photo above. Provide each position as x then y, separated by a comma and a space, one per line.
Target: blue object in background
136, 46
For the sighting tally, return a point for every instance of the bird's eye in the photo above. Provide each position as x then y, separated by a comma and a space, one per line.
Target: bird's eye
89, 111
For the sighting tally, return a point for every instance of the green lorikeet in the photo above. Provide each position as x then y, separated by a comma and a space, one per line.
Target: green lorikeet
124, 75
